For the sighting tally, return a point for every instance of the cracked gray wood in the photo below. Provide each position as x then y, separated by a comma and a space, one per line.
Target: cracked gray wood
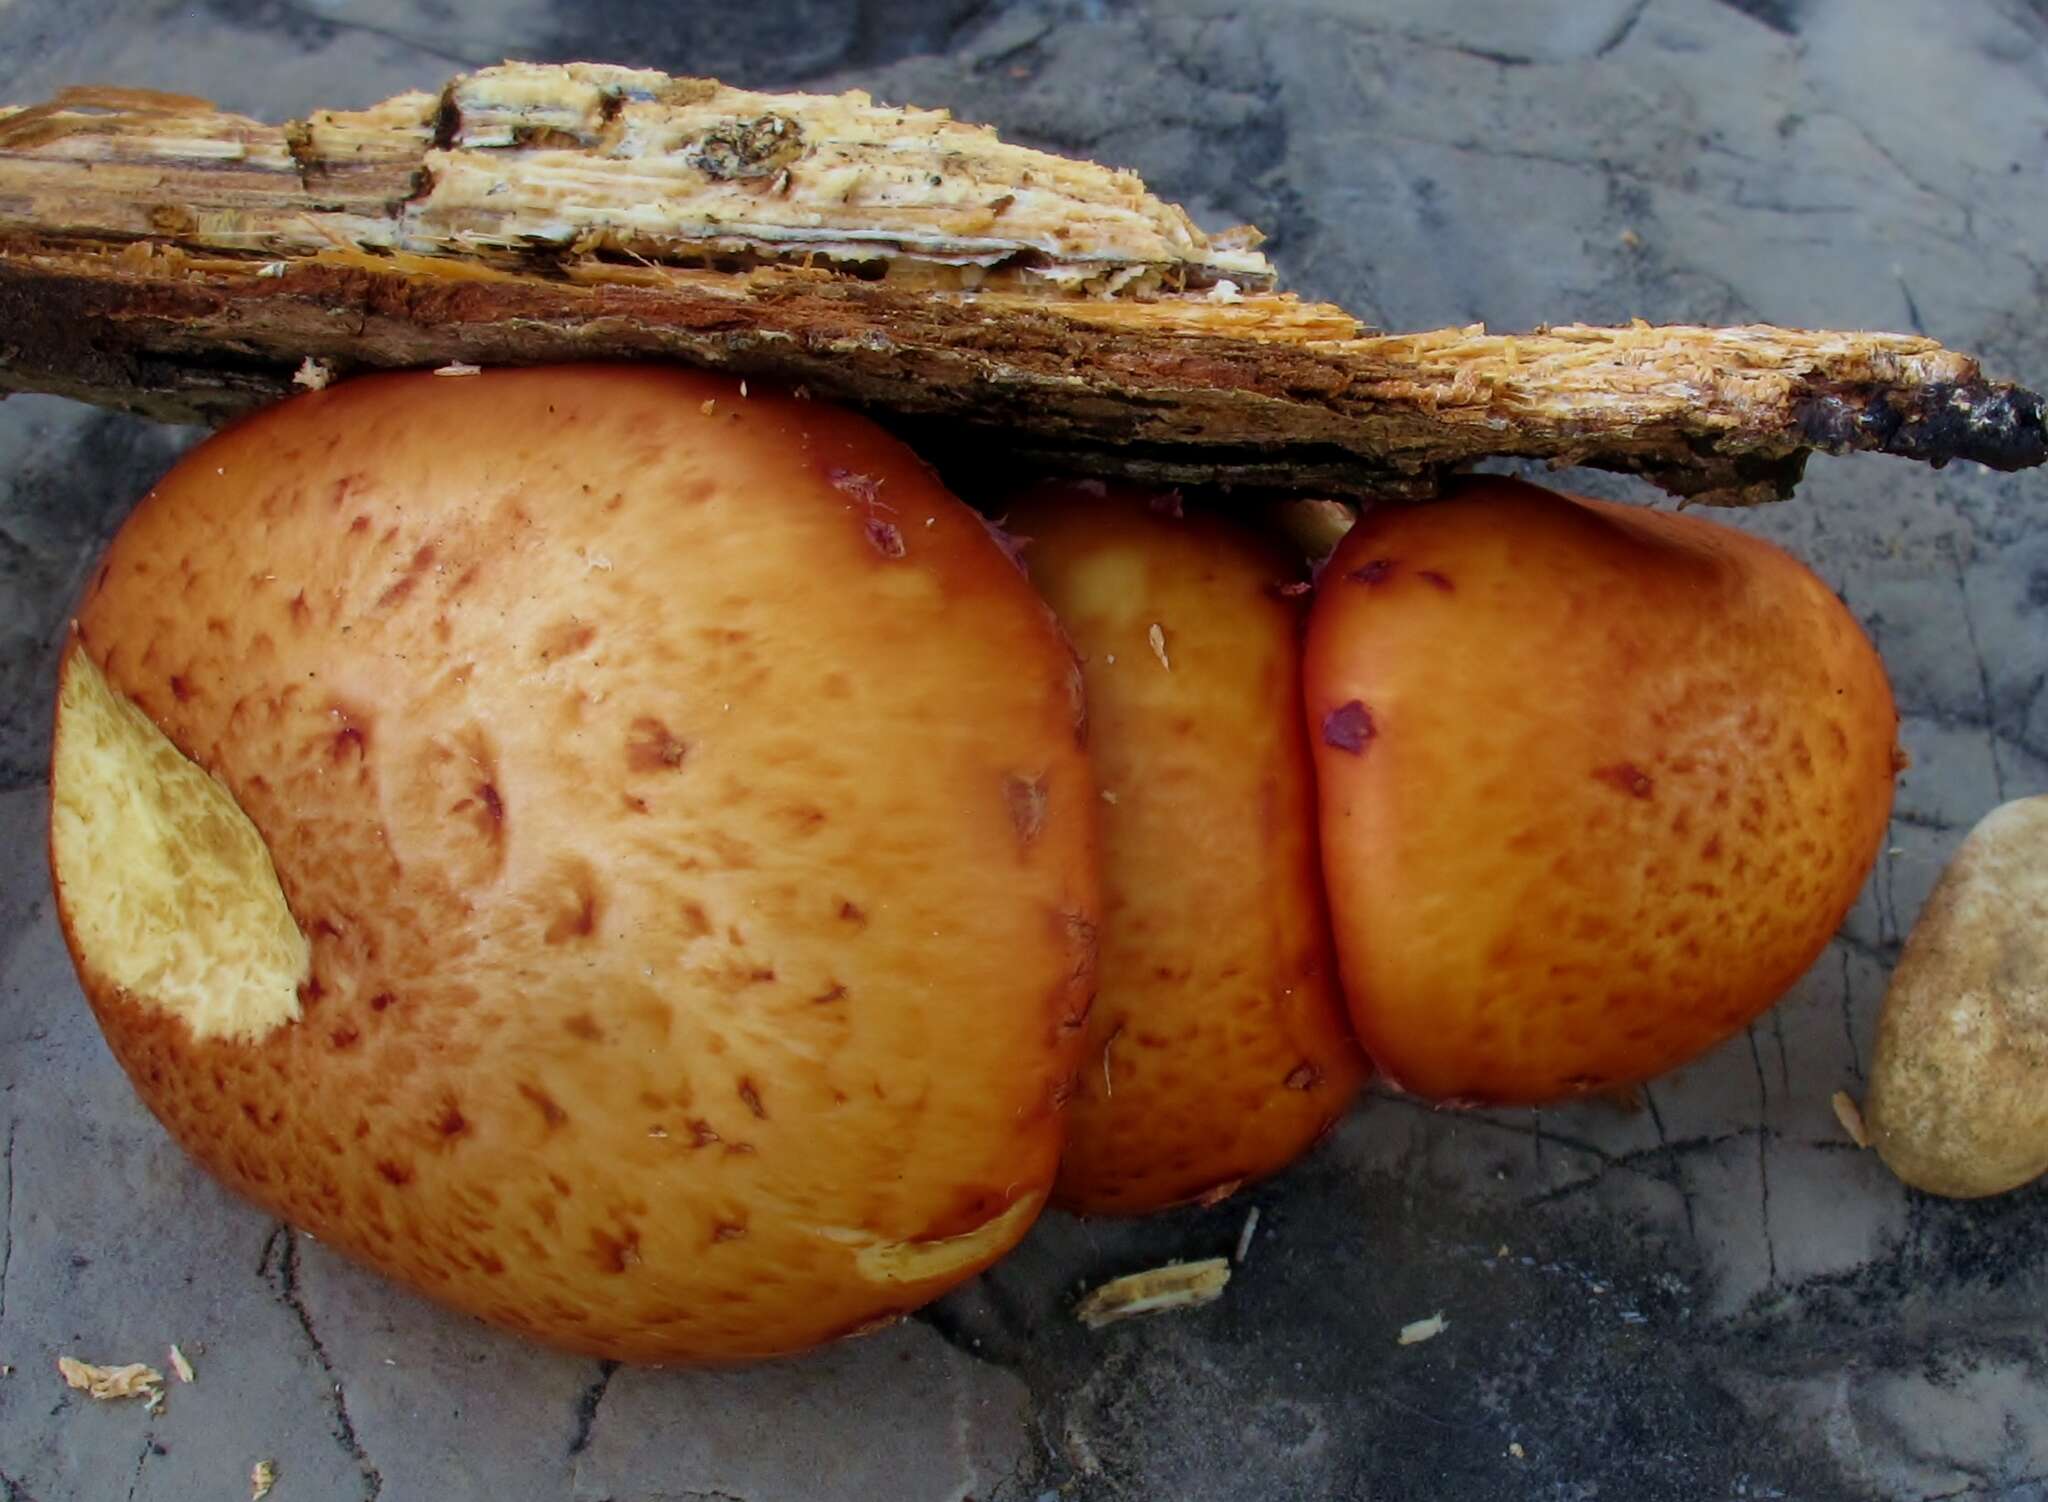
1826, 162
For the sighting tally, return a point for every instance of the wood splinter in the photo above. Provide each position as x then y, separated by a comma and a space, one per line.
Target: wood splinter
161, 256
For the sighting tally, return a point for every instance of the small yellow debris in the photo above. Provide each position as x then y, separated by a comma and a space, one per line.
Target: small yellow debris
1850, 1115
1158, 1290
458, 368
1416, 1332
743, 390
313, 374
708, 406
180, 1365
1501, 1250
262, 1477
108, 1383
1108, 797
1156, 635
1631, 239
1517, 1451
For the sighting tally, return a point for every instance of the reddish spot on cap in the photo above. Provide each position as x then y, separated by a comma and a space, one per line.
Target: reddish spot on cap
550, 1112
884, 538
1348, 727
861, 487
1627, 777
1375, 572
652, 747
616, 1253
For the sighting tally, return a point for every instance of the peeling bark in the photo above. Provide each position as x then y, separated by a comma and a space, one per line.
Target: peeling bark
160, 256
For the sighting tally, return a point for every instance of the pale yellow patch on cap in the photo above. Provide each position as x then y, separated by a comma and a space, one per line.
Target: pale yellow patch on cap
168, 887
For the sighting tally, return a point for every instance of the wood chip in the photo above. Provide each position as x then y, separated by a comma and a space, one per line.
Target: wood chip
1158, 1290
107, 1384
262, 1477
1517, 1451
1155, 634
1244, 1237
181, 1365
1416, 1332
528, 213
1850, 1115
458, 368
